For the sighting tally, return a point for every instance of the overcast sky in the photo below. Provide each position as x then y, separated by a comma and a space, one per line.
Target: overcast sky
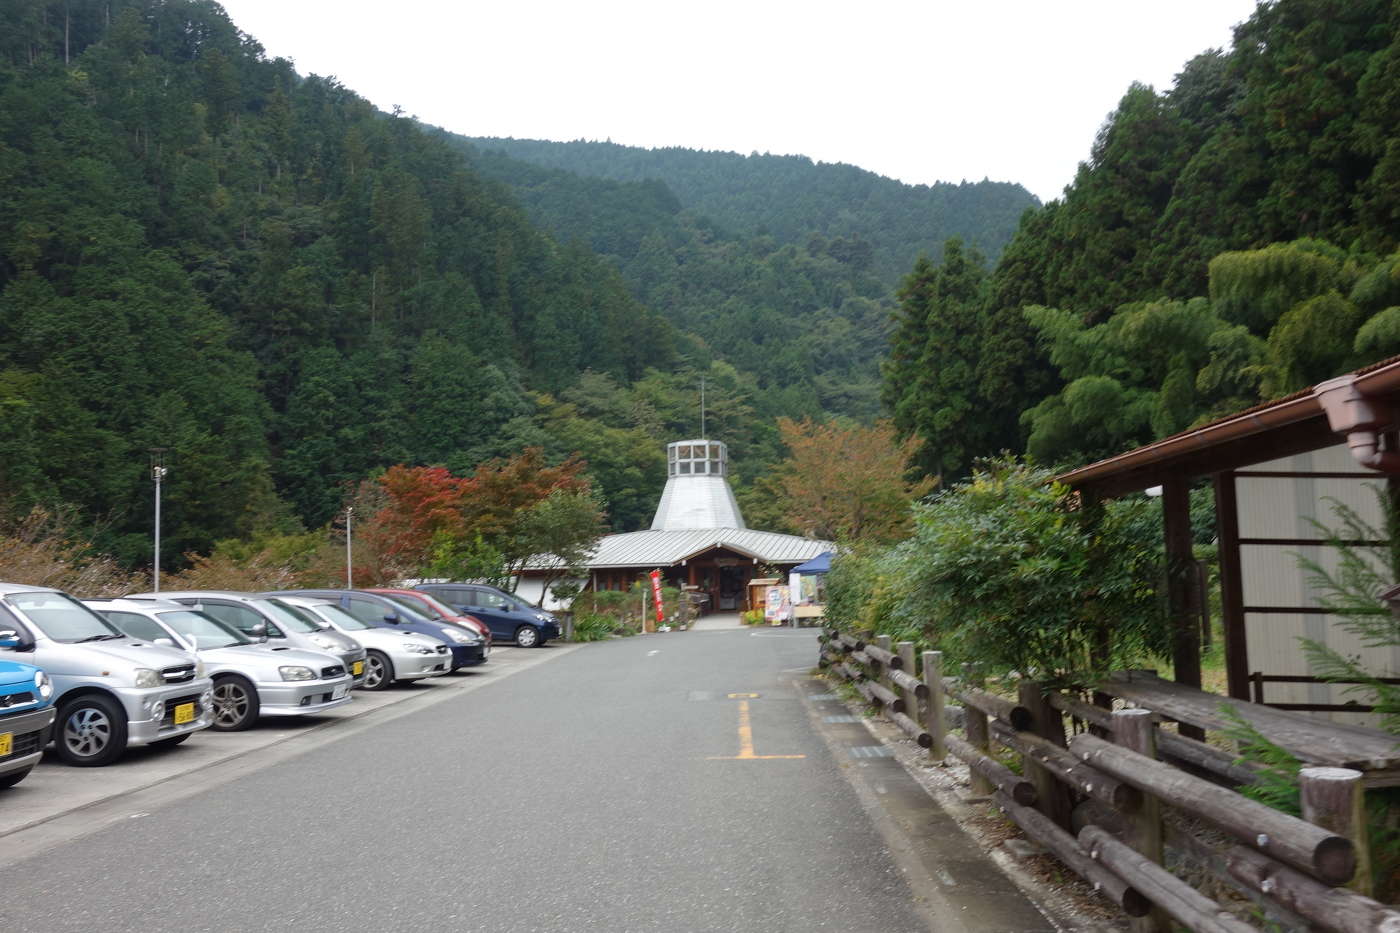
1011, 90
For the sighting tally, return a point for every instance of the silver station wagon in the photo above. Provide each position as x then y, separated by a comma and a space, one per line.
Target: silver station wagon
251, 679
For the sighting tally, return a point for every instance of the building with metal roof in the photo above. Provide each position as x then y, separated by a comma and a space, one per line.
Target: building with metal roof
698, 539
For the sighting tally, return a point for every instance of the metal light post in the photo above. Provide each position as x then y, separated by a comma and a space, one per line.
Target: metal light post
158, 472
349, 563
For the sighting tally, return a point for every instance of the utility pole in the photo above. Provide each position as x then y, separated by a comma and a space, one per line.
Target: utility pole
349, 562
158, 472
703, 435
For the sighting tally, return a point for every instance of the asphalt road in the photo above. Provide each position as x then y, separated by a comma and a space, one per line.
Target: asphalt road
678, 782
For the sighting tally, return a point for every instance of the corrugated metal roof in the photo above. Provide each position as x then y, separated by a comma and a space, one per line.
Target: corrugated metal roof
693, 502
666, 548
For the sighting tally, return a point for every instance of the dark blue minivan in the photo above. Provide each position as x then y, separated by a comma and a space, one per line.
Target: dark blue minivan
508, 617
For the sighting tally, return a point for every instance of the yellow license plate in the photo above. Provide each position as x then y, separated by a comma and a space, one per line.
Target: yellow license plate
7, 743
357, 668
184, 713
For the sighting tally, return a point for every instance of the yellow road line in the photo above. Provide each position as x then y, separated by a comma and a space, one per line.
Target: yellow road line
746, 739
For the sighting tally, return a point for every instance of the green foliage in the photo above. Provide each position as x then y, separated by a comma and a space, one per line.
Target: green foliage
1002, 573
1277, 784
1266, 178
590, 626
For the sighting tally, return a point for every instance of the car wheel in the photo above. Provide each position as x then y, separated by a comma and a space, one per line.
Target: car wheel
10, 780
91, 731
527, 636
235, 704
379, 671
172, 741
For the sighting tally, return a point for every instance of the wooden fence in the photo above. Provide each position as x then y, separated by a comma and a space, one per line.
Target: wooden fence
1109, 800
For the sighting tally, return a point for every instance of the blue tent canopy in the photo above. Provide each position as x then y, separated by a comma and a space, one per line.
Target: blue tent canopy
819, 564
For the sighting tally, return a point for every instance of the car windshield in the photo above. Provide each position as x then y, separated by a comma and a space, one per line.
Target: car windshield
205, 631
286, 618
422, 607
340, 618
63, 618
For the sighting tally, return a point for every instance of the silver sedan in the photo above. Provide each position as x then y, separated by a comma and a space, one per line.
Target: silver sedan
250, 679
391, 654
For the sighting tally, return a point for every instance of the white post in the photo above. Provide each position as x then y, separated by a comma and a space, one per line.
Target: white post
157, 473
349, 561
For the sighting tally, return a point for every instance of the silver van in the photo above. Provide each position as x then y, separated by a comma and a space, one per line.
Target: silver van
111, 691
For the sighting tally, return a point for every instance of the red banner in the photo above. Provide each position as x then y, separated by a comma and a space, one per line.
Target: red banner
656, 595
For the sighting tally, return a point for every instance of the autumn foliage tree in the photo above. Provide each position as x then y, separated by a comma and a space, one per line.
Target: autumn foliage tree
847, 482
486, 525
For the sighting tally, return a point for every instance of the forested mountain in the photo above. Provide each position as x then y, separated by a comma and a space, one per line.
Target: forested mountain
289, 291
203, 251
791, 198
1228, 240
783, 267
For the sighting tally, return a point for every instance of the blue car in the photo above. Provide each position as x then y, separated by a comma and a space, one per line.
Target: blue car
509, 617
468, 647
26, 715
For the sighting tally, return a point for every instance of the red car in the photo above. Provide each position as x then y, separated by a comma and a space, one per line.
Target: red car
424, 604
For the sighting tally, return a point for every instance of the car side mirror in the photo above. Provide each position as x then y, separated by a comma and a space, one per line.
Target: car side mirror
164, 641
10, 639
259, 631
392, 618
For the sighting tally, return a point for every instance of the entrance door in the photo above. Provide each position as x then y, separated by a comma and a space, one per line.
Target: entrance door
731, 588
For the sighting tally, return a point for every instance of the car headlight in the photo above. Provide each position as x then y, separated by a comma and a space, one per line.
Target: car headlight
415, 648
463, 638
198, 668
544, 617
145, 677
296, 672
321, 641
43, 684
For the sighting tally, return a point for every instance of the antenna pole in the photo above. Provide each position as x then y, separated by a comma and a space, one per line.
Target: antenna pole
703, 435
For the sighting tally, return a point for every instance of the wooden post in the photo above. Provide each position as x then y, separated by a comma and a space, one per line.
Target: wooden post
881, 673
1227, 521
978, 735
933, 713
1182, 615
1333, 798
1134, 730
906, 658
1053, 797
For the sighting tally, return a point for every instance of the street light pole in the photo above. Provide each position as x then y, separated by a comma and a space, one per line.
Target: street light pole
158, 472
349, 563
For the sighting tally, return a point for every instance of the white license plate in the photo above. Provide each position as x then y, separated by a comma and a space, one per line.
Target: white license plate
338, 693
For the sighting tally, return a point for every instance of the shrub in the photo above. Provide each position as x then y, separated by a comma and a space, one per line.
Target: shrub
1002, 570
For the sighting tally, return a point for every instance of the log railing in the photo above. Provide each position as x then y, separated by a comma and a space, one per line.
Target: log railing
1096, 801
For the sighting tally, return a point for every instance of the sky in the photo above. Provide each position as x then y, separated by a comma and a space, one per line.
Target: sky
1011, 90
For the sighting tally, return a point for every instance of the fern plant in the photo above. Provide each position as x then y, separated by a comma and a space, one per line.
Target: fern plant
1367, 562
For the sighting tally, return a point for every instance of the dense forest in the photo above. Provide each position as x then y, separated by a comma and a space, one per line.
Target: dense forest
1230, 239
289, 291
784, 267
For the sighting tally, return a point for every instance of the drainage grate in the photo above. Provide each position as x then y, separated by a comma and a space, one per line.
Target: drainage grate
872, 751
840, 719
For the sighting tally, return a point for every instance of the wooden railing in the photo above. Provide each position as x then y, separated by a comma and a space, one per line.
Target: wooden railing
1097, 799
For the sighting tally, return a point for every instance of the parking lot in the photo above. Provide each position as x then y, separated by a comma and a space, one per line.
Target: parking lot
55, 790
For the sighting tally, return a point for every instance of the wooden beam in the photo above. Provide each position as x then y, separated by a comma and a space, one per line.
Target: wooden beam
1227, 523
1183, 614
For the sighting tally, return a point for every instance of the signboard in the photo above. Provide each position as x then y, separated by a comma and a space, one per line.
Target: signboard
777, 605
656, 595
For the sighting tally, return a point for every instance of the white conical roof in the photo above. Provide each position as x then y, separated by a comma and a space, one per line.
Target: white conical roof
697, 493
